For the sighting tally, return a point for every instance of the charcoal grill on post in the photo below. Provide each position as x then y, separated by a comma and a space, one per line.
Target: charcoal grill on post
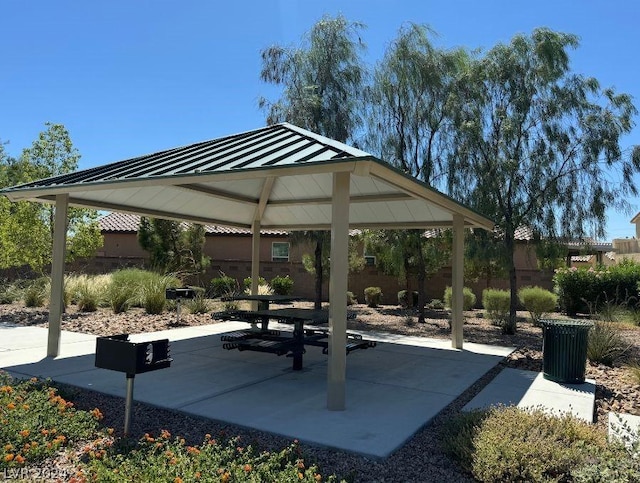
118, 353
179, 294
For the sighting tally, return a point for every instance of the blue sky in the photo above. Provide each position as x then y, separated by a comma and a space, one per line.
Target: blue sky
132, 77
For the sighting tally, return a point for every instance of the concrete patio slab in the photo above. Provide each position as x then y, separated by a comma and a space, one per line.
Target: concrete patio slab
528, 389
392, 390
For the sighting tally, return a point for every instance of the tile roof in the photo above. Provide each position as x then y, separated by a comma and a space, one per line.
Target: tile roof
128, 223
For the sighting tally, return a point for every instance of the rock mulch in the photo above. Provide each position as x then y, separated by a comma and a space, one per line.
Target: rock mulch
420, 459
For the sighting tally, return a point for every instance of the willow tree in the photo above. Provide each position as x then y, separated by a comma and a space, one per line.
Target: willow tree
321, 81
410, 124
538, 145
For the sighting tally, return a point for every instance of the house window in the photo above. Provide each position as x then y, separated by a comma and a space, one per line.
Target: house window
280, 251
369, 260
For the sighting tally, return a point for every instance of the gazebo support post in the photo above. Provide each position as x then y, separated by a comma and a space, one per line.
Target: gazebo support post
457, 282
56, 303
336, 372
255, 261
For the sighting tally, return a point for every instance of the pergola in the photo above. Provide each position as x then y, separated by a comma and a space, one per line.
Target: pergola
276, 177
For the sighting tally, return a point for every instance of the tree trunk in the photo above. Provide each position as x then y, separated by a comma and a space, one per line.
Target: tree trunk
318, 261
422, 276
509, 326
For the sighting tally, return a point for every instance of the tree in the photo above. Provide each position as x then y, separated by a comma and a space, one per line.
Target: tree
407, 253
321, 83
539, 146
173, 248
410, 125
321, 240
485, 256
26, 233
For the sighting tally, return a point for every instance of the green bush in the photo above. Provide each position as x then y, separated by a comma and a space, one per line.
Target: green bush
36, 293
246, 283
223, 285
512, 444
373, 296
605, 343
166, 459
456, 436
351, 298
404, 301
134, 280
119, 297
37, 423
282, 285
496, 303
468, 301
537, 301
154, 292
198, 305
10, 292
436, 304
582, 290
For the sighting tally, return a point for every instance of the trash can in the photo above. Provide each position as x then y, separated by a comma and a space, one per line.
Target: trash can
564, 350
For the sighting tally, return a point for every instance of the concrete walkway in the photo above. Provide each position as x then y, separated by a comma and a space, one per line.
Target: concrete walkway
528, 389
392, 390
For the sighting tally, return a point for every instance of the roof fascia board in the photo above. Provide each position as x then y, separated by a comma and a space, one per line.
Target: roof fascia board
79, 203
318, 167
420, 190
374, 226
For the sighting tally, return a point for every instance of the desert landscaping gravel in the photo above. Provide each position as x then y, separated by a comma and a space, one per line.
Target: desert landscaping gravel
419, 460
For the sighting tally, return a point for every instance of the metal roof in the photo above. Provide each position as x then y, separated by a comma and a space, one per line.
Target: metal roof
281, 174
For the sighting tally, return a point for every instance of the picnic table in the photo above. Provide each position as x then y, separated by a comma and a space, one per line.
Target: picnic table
271, 341
264, 300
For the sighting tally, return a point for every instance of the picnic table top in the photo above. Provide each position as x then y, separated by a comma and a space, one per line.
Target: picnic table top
265, 298
296, 314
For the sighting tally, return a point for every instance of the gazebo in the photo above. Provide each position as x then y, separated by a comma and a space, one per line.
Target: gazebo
276, 177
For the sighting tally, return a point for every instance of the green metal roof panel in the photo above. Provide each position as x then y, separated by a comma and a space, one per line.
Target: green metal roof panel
277, 145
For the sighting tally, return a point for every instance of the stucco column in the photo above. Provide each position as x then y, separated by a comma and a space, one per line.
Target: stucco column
56, 302
457, 282
336, 372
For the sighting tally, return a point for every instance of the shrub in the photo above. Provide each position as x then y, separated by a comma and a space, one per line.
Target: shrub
537, 301
223, 285
36, 293
137, 279
88, 298
456, 436
585, 290
263, 289
468, 301
496, 303
351, 298
605, 344
246, 283
404, 301
37, 423
153, 293
119, 297
373, 296
512, 444
198, 305
436, 304
282, 285
10, 292
162, 458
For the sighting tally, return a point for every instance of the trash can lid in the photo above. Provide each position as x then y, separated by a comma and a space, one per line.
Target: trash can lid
567, 322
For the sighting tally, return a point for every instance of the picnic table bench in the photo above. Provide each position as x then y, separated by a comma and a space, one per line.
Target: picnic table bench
275, 342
